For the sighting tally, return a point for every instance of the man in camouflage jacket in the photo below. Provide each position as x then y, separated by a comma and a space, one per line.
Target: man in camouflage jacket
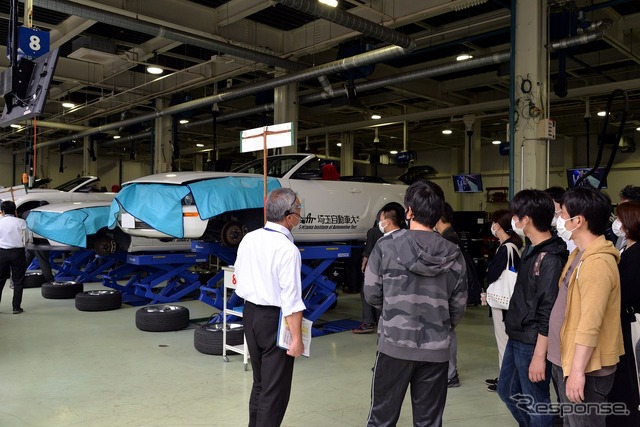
418, 279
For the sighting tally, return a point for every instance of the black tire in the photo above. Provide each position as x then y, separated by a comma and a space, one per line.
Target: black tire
32, 280
207, 338
99, 300
162, 318
61, 290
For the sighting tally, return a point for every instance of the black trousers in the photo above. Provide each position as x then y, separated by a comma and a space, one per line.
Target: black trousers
392, 376
12, 264
272, 367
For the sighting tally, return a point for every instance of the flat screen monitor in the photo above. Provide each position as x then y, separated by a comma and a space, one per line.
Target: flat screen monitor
593, 180
28, 99
467, 183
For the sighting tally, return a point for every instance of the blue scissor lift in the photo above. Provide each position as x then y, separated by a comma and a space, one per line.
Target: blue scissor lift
318, 291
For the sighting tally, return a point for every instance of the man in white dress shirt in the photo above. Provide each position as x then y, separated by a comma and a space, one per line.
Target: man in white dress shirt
268, 272
13, 233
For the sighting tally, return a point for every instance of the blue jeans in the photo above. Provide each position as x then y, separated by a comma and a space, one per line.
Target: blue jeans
519, 394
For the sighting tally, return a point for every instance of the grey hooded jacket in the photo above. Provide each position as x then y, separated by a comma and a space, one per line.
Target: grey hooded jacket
418, 280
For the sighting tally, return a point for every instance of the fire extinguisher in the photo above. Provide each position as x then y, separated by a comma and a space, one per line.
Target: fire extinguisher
25, 181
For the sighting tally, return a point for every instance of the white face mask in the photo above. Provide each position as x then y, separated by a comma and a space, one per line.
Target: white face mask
381, 227
519, 231
616, 227
494, 230
562, 229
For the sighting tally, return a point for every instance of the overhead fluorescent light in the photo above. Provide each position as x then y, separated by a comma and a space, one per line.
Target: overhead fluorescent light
496, 142
602, 113
68, 105
154, 69
199, 145
463, 57
393, 152
184, 121
638, 128
339, 144
116, 136
376, 116
447, 131
332, 3
15, 126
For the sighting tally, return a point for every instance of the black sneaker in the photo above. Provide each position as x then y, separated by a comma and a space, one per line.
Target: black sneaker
453, 382
492, 387
491, 381
17, 310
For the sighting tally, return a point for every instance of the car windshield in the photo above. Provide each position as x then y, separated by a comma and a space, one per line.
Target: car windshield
68, 186
277, 167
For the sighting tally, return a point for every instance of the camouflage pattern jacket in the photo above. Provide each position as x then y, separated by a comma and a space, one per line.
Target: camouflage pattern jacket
418, 280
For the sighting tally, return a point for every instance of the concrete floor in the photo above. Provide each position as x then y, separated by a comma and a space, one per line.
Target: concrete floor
63, 367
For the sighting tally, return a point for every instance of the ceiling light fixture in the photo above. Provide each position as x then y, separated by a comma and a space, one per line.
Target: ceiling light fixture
463, 57
496, 142
332, 3
15, 126
184, 121
153, 68
199, 145
393, 152
602, 113
447, 131
376, 116
68, 105
339, 144
116, 136
638, 128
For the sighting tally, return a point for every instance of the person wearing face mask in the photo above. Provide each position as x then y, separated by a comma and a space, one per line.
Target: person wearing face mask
627, 194
501, 229
585, 336
525, 373
390, 218
268, 267
556, 194
625, 383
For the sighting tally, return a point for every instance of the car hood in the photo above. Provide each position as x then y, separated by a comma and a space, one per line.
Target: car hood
180, 178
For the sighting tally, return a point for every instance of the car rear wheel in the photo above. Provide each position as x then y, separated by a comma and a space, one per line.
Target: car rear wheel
207, 338
162, 318
61, 290
99, 300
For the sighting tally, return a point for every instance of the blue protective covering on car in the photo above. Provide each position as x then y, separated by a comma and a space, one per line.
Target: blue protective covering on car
70, 227
216, 196
159, 205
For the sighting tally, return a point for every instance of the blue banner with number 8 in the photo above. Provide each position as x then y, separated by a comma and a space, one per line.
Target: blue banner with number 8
32, 43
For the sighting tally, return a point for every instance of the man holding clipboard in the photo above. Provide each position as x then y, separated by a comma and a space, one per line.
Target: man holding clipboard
268, 272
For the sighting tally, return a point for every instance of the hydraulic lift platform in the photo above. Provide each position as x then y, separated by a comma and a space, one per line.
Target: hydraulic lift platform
318, 292
147, 272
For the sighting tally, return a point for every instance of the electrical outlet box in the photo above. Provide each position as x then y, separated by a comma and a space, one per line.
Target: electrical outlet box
547, 129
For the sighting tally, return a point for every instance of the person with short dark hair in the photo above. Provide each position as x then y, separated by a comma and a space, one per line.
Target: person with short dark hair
390, 218
418, 280
585, 336
627, 194
13, 236
556, 194
268, 269
625, 383
525, 370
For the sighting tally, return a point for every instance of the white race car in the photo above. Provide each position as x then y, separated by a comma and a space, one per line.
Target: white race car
224, 206
81, 189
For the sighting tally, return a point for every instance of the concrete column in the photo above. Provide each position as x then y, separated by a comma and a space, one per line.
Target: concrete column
531, 92
285, 109
86, 158
346, 154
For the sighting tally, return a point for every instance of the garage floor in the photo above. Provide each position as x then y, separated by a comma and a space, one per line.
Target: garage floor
63, 367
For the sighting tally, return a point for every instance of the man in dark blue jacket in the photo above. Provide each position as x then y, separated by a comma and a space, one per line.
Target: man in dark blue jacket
525, 372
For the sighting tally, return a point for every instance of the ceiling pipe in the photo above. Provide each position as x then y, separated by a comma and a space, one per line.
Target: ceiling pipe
348, 20
375, 56
95, 14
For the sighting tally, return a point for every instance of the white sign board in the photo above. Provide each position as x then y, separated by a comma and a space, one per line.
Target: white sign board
280, 135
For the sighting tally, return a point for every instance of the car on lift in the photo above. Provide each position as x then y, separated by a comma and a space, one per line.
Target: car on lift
224, 206
80, 189
83, 225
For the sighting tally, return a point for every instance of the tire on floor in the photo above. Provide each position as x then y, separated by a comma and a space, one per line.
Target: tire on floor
162, 318
61, 290
207, 338
33, 279
99, 300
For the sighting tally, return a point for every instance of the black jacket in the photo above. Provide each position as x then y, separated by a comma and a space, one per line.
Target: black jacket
498, 263
535, 290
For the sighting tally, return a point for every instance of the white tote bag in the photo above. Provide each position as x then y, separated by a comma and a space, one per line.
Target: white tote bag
499, 292
635, 342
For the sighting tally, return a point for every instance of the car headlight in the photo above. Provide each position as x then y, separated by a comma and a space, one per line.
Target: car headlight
187, 200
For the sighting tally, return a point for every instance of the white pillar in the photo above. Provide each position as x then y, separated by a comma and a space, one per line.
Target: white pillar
162, 150
531, 93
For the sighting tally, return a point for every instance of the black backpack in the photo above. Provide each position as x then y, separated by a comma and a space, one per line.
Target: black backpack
474, 286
